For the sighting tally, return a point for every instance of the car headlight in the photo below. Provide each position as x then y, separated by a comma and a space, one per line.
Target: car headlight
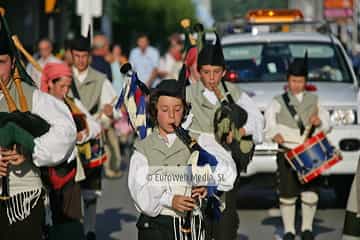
343, 116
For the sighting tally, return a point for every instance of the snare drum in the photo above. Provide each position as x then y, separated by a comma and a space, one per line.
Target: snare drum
92, 153
313, 157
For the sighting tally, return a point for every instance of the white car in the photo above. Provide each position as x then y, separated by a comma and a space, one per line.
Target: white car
259, 63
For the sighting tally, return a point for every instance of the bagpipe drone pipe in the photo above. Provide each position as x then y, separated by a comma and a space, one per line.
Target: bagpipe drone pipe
18, 127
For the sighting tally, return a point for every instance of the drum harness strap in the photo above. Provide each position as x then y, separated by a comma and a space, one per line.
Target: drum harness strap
296, 117
293, 113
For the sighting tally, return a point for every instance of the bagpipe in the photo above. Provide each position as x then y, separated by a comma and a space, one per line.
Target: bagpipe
204, 158
91, 153
133, 97
24, 125
230, 117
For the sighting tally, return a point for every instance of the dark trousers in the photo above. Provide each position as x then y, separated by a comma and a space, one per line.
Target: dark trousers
66, 213
289, 184
159, 228
93, 178
31, 228
228, 224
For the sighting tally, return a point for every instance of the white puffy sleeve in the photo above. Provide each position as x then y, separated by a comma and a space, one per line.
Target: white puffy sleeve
255, 123
58, 144
271, 126
150, 198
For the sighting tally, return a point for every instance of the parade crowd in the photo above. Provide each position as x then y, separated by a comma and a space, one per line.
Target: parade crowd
61, 132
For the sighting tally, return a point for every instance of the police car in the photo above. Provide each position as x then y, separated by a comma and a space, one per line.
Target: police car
258, 62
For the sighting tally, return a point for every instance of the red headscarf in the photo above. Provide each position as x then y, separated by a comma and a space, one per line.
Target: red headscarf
53, 71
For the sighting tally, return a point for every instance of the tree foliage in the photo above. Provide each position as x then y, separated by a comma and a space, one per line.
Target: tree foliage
157, 18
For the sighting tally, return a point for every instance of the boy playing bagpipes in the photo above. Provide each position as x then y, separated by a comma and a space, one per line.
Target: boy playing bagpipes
288, 118
39, 134
223, 113
169, 209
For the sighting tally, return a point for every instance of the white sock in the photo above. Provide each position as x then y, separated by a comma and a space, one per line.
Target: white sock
89, 216
287, 209
308, 208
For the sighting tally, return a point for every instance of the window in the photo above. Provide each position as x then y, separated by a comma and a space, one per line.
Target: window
270, 61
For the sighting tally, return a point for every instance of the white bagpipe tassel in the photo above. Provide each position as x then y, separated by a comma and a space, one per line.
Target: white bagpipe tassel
193, 228
180, 223
19, 206
174, 223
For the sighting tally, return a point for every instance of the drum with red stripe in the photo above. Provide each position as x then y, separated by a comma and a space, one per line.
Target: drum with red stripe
313, 157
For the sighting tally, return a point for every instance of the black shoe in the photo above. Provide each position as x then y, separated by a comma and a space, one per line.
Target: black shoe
90, 236
307, 235
289, 236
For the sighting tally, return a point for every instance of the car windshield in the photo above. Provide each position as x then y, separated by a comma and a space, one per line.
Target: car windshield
260, 62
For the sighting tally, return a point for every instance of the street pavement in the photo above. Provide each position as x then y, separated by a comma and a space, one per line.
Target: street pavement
116, 218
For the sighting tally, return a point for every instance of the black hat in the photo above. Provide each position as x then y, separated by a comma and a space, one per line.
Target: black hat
169, 87
4, 41
82, 43
211, 54
299, 67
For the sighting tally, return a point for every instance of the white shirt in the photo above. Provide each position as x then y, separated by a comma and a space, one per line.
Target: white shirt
80, 75
169, 65
292, 136
144, 62
151, 199
35, 74
108, 93
58, 144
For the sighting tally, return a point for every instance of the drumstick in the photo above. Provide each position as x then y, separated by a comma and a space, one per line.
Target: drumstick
282, 148
291, 142
312, 128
